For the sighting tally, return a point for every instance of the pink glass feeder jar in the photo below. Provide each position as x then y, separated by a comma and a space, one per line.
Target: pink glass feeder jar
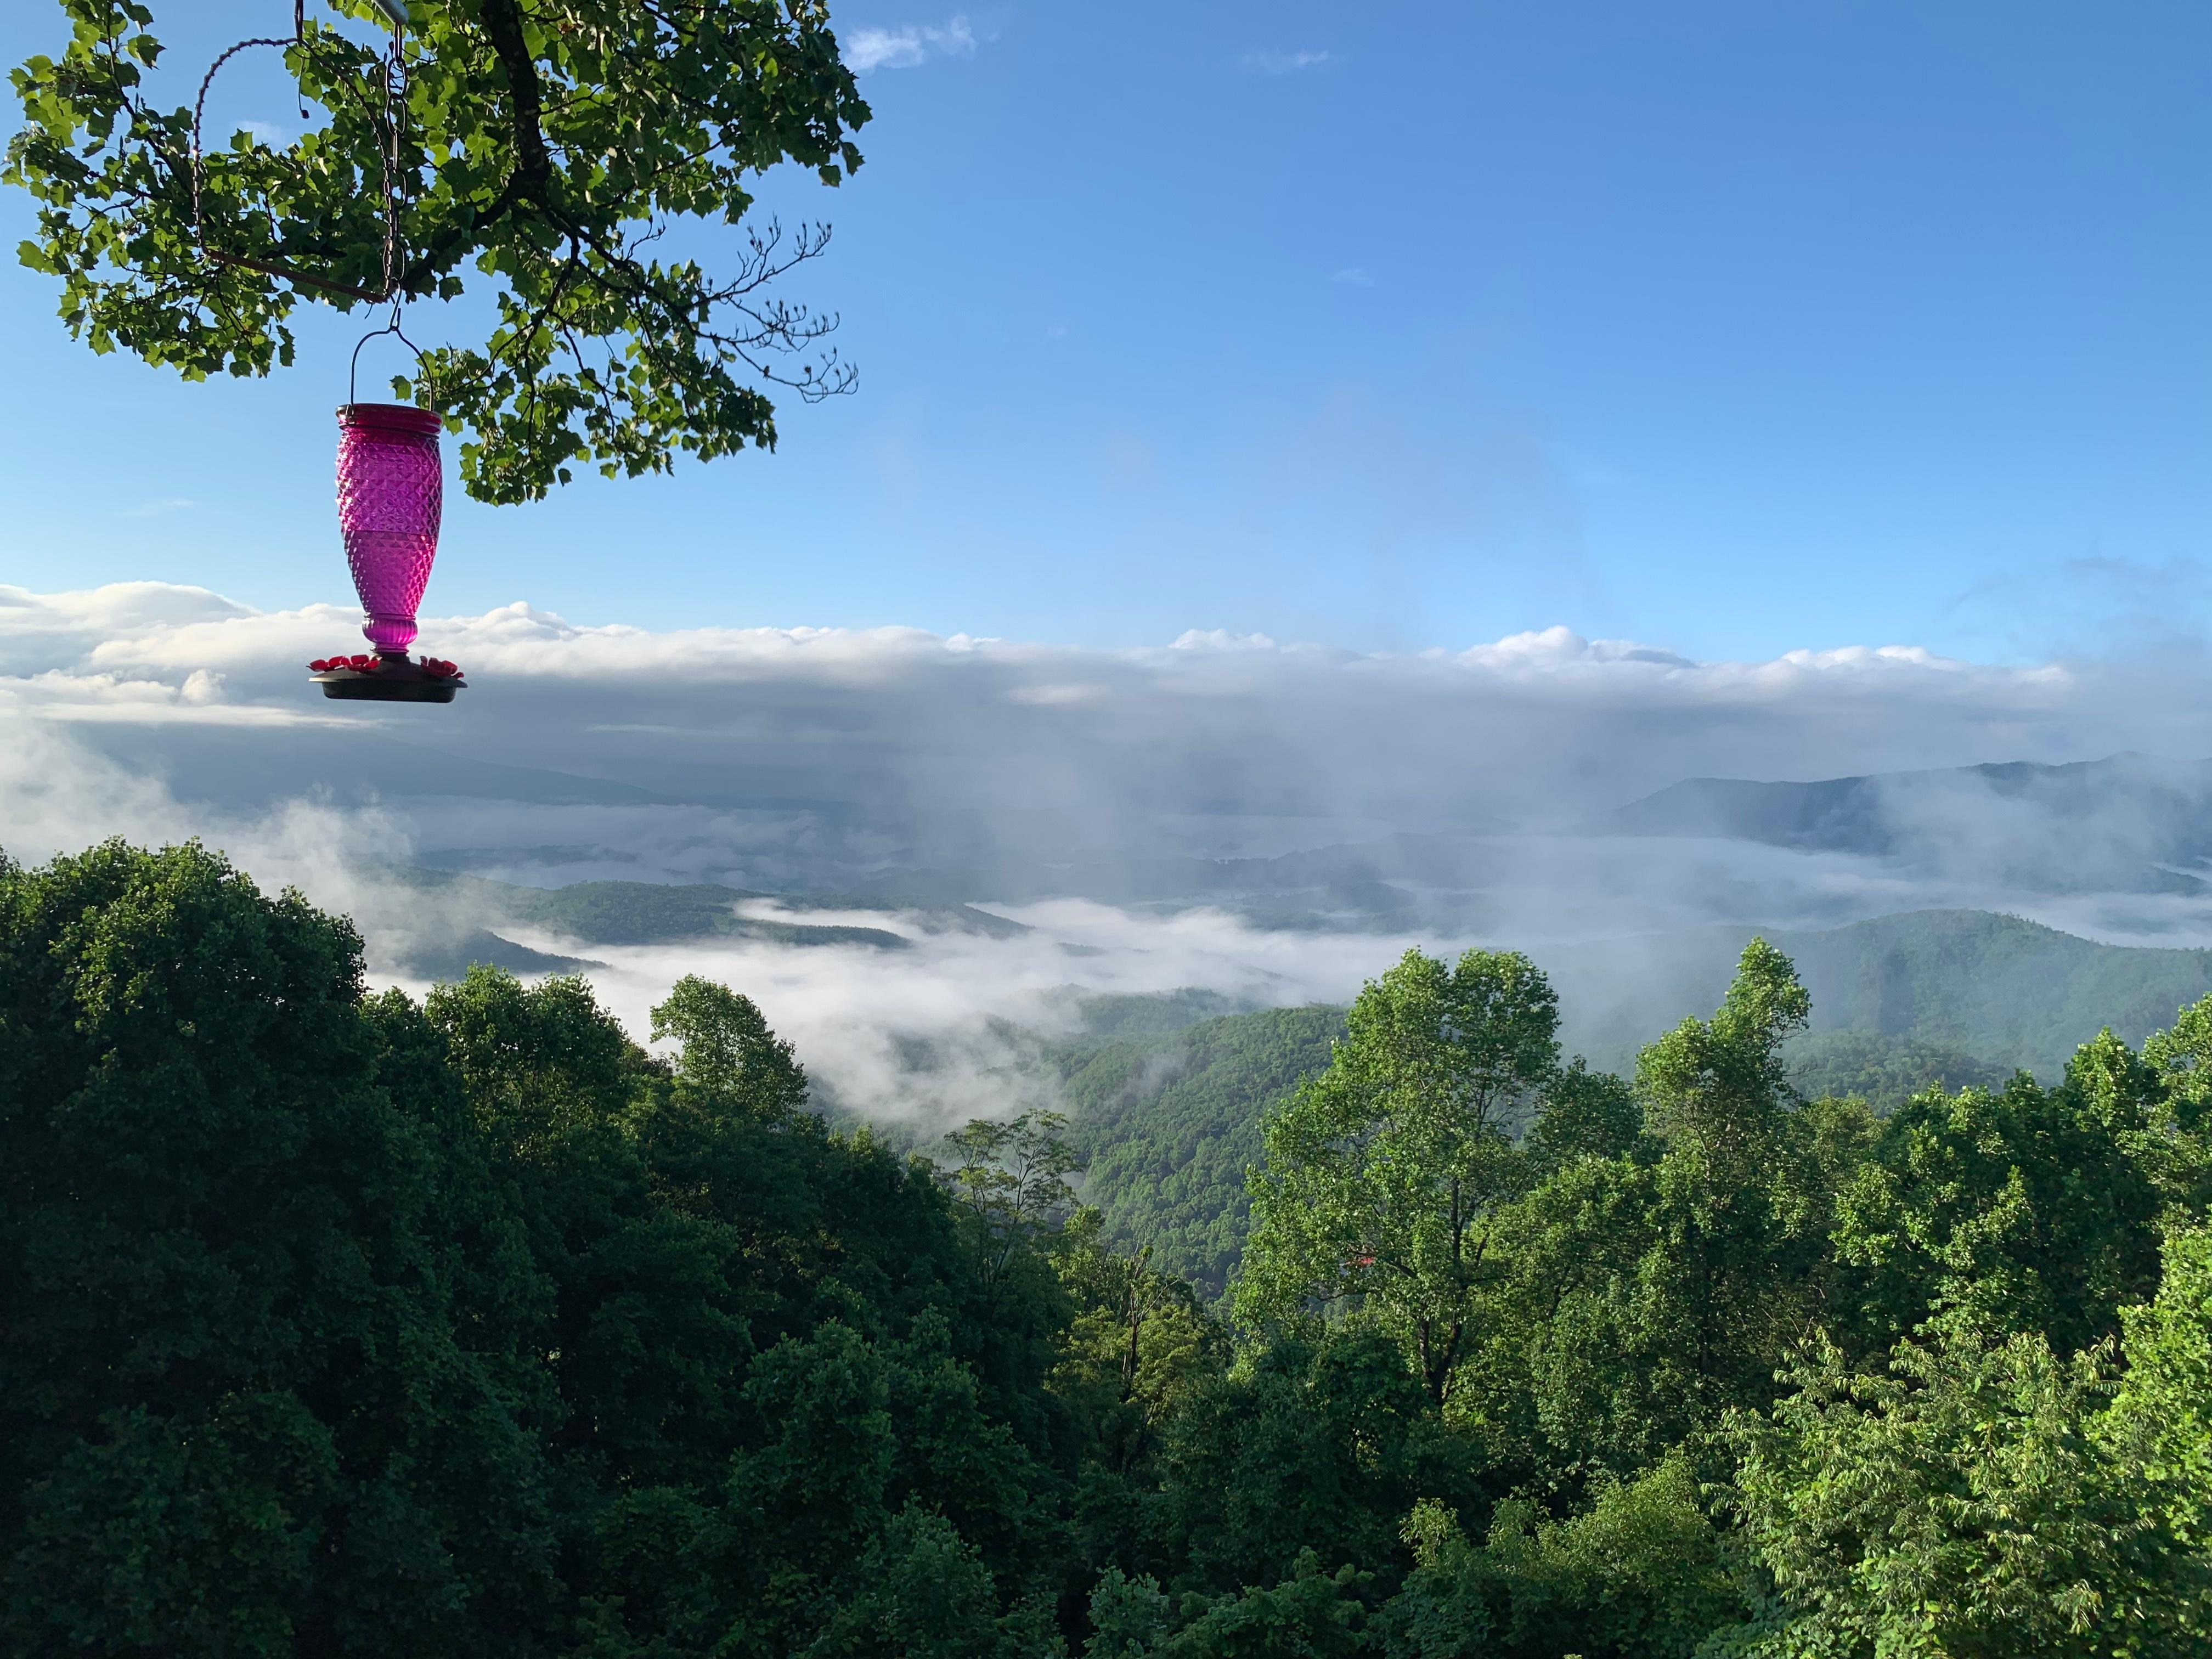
391, 496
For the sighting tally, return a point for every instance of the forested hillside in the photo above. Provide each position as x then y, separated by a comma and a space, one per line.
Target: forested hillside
1169, 1121
1994, 988
355, 1325
653, 913
2001, 990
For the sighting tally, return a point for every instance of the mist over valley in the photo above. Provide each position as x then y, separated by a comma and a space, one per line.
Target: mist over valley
921, 854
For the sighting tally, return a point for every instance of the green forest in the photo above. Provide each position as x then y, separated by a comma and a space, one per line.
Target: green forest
342, 1322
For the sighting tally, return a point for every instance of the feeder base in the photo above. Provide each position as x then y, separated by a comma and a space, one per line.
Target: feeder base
394, 678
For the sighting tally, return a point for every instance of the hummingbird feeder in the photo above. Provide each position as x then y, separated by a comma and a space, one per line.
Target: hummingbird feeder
391, 492
391, 489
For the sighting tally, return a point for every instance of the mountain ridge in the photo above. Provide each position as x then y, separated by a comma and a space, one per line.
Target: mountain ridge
2130, 820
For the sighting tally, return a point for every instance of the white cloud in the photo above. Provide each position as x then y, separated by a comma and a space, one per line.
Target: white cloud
1221, 639
910, 45
964, 724
850, 1012
1283, 62
1354, 276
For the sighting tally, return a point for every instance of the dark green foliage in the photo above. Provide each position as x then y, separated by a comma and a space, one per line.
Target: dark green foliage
356, 1327
1585, 1114
224, 1322
2160, 1425
349, 1326
1642, 1573
2024, 1207
729, 1064
1309, 1615
1320, 1445
1386, 1175
1654, 1277
1131, 1360
1170, 1124
1962, 1503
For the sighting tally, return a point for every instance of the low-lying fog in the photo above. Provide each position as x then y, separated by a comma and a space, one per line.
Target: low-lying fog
1438, 799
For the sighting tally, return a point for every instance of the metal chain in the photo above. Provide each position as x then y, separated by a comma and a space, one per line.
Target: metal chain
388, 155
199, 114
395, 104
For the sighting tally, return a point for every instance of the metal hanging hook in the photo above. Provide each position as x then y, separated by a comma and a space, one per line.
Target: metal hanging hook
391, 326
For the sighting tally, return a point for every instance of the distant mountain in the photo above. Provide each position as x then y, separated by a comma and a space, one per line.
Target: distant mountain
453, 961
1885, 1071
1980, 835
644, 913
2129, 822
653, 912
1398, 882
1838, 815
1999, 989
1145, 1014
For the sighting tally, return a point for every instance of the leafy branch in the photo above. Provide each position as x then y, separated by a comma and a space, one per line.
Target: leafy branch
547, 146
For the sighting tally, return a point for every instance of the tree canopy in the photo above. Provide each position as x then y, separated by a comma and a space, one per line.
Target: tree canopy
1384, 1173
548, 151
351, 1323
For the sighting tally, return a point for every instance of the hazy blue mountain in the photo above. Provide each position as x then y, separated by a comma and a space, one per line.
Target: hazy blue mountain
1394, 883
1996, 989
643, 913
2127, 824
1839, 814
2130, 822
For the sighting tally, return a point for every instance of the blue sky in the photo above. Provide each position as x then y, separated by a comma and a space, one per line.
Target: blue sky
1733, 328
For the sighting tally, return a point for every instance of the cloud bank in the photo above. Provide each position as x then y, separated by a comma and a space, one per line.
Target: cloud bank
1536, 727
807, 759
893, 746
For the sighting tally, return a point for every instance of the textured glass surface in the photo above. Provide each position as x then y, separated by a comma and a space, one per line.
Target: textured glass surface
391, 494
